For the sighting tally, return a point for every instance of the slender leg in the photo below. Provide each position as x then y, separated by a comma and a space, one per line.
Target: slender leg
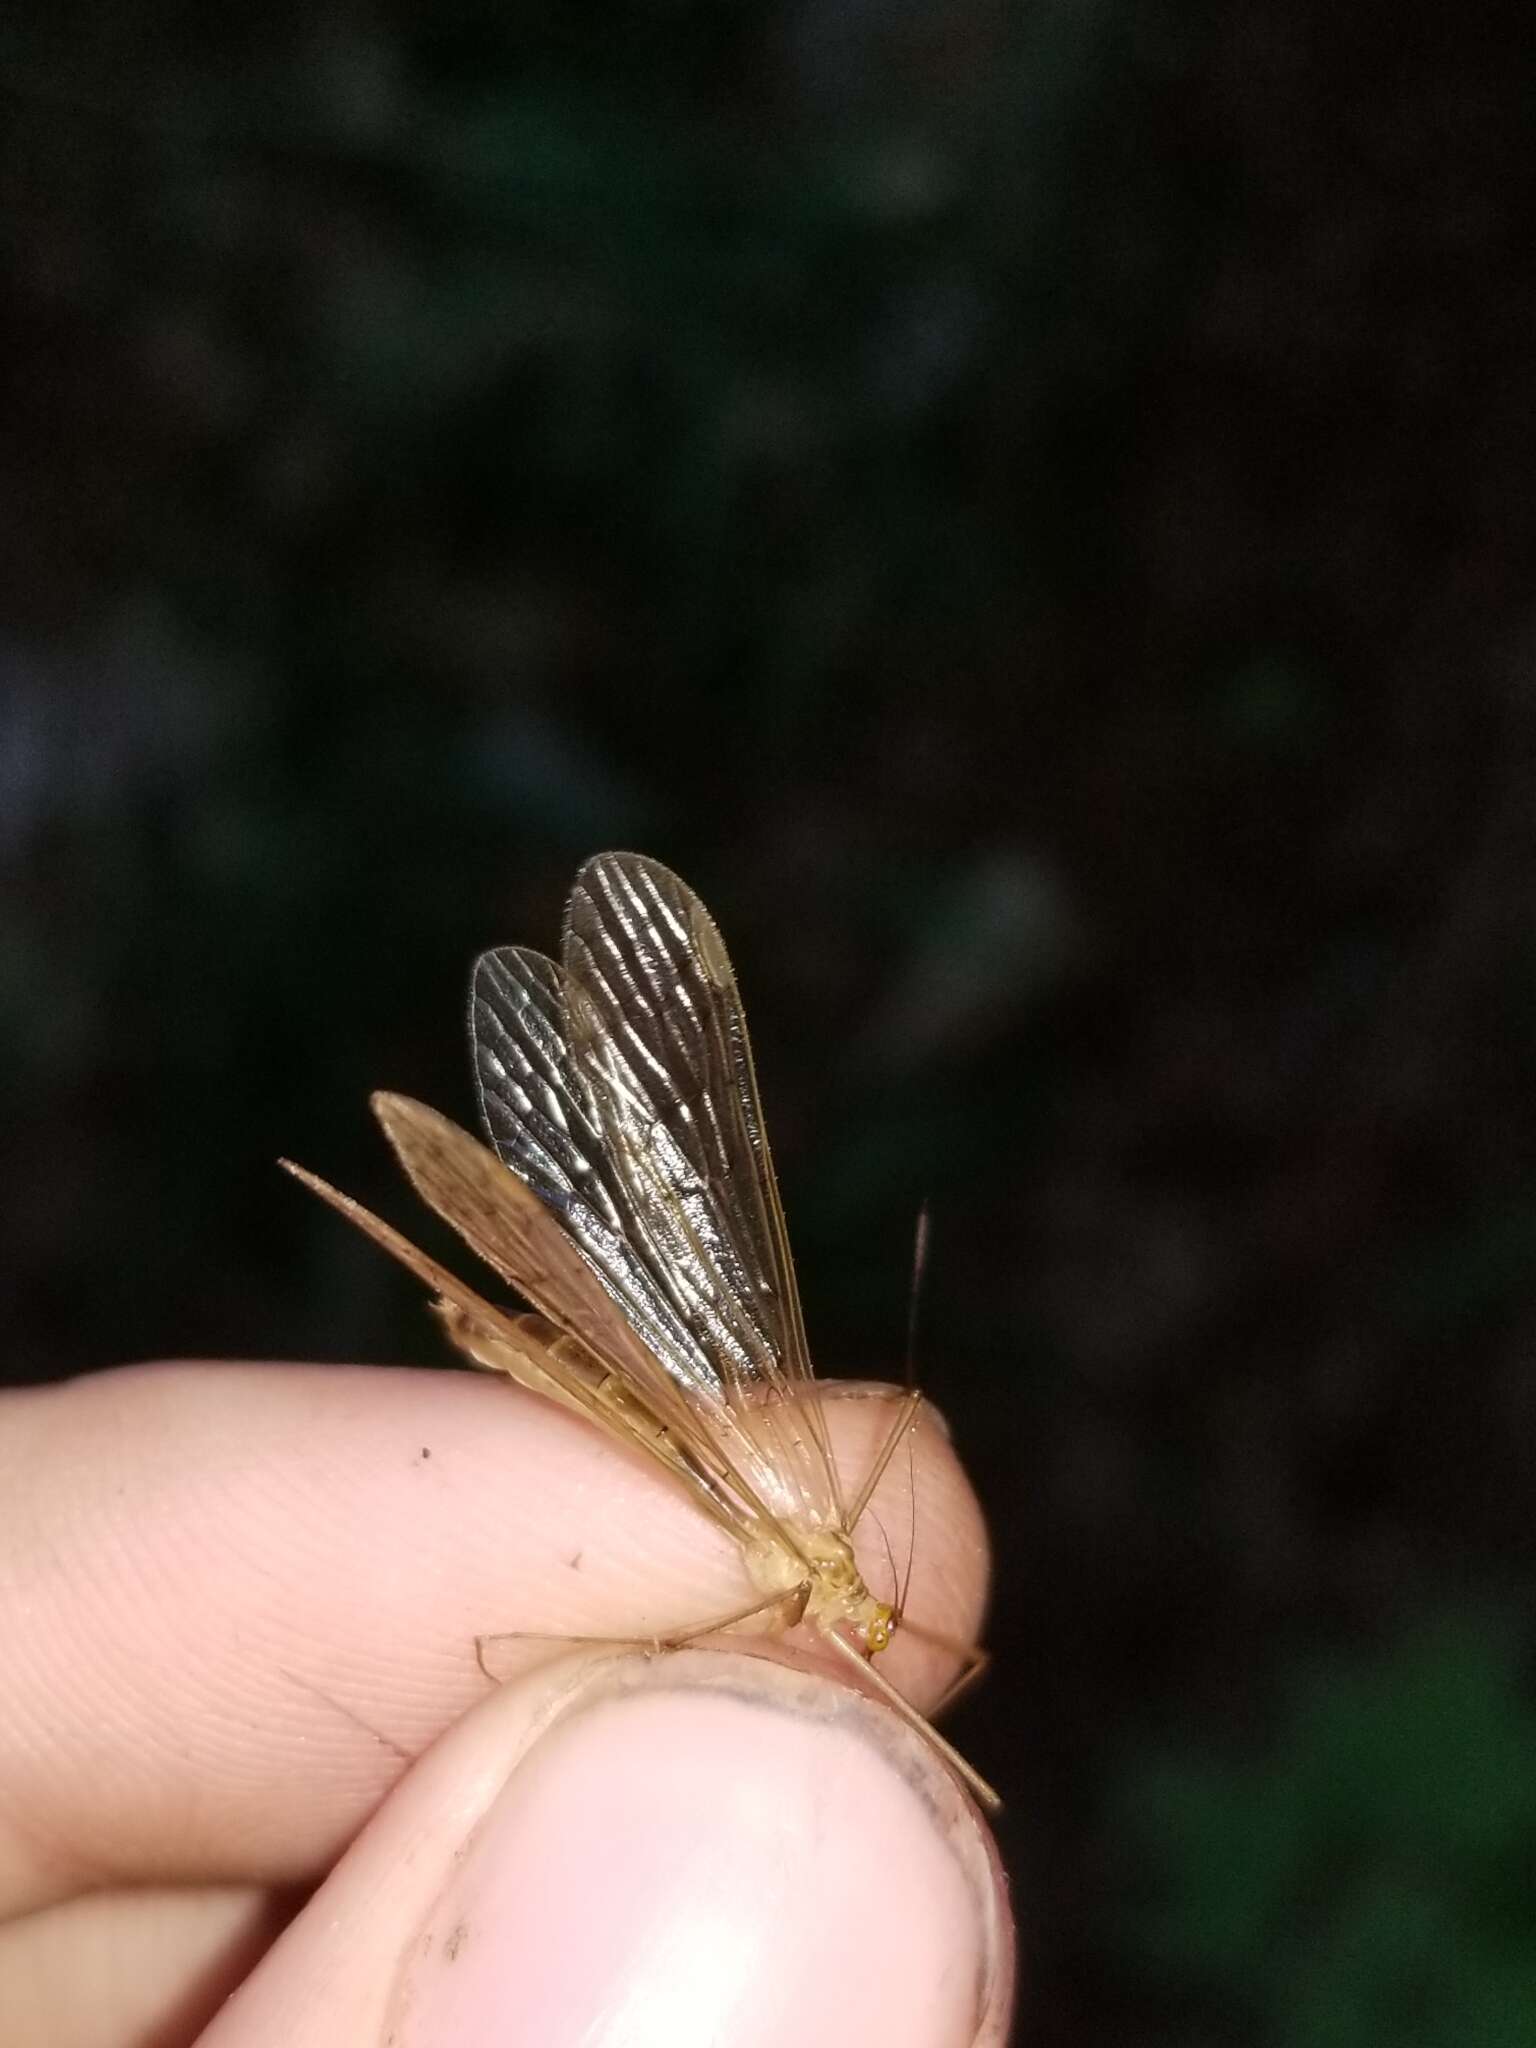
791, 1607
901, 1705
907, 1406
974, 1662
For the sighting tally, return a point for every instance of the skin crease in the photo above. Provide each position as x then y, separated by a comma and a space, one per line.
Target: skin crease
239, 1600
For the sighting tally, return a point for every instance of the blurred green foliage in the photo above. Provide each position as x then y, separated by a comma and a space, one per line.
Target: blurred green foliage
1367, 1877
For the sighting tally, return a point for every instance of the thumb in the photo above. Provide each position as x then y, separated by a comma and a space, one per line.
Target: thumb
680, 1851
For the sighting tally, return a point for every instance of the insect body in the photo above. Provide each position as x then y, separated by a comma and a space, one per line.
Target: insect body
630, 1199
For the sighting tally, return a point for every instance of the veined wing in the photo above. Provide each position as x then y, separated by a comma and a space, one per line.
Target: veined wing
688, 1237
542, 1127
659, 1046
570, 1265
553, 1363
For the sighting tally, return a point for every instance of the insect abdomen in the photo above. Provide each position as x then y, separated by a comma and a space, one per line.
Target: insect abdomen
531, 1350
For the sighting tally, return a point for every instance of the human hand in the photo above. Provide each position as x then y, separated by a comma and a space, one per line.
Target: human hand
237, 1602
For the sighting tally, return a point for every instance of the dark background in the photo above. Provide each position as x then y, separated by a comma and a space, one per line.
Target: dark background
1030, 510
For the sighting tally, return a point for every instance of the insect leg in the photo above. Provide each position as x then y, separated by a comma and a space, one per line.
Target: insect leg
791, 1607
902, 1706
974, 1662
907, 1406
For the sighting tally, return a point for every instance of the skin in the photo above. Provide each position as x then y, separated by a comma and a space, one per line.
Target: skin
247, 1753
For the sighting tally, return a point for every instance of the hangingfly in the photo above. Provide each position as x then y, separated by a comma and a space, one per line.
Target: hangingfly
631, 1200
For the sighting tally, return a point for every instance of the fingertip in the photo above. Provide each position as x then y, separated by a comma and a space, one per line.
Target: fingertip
681, 1849
923, 1535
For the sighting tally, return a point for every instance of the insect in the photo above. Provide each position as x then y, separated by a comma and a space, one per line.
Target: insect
630, 1199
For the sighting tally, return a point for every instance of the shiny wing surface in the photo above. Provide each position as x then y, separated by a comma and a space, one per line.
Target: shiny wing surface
500, 1343
664, 1066
576, 1271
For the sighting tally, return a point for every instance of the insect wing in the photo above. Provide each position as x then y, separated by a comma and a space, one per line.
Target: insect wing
619, 1089
659, 1042
529, 1350
541, 1123
575, 1273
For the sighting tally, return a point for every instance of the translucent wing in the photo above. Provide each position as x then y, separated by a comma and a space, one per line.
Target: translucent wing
542, 1127
548, 1361
620, 1091
659, 1039
575, 1273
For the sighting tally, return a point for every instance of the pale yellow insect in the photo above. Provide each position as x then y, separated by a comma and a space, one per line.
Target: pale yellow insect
631, 1199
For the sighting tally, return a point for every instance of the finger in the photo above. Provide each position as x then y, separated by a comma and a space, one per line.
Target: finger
142, 1969
676, 1850
237, 1600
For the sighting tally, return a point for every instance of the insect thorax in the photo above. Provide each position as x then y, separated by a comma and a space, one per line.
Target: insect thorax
824, 1562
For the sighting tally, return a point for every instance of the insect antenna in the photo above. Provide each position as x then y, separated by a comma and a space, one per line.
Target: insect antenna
906, 1577
911, 1398
890, 1558
920, 1239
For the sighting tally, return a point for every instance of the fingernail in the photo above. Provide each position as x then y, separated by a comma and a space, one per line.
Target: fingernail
882, 1390
708, 1848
